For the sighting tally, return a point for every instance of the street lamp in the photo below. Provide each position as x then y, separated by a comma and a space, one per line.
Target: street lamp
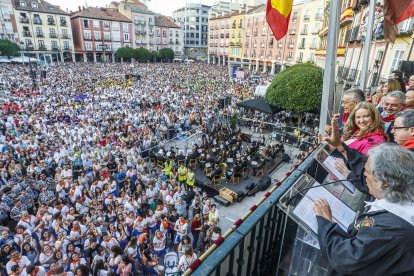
32, 73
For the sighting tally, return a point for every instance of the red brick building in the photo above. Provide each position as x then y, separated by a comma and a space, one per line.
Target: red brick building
99, 32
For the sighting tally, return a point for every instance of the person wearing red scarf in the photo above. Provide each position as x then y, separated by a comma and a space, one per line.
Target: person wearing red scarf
403, 129
393, 103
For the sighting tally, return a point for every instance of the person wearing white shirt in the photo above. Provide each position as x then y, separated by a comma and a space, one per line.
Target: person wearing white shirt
17, 259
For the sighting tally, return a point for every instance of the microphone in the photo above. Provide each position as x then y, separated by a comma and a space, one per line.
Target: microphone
289, 200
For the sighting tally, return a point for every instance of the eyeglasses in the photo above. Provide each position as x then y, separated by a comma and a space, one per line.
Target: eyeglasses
397, 127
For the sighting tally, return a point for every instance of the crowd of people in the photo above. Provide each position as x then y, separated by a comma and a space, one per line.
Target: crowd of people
373, 140
89, 182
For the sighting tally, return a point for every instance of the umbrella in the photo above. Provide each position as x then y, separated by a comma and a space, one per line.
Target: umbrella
259, 104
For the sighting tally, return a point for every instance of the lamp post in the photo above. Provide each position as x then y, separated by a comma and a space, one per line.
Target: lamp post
32, 73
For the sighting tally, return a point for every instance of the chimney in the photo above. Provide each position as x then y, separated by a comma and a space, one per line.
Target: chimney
79, 8
83, 7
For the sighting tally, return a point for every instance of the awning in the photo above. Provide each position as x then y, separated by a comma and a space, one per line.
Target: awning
259, 104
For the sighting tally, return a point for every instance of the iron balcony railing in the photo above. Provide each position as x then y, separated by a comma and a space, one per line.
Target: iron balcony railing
258, 242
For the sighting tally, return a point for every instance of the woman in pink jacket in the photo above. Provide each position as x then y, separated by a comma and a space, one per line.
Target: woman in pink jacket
364, 129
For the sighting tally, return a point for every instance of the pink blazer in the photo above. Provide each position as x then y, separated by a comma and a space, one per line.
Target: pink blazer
363, 145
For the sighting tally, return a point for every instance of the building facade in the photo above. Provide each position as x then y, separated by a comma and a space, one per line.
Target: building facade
168, 35
143, 21
193, 19
7, 21
310, 24
99, 32
384, 57
44, 30
219, 39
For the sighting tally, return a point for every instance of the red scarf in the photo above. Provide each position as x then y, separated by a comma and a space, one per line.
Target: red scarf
345, 117
390, 118
367, 135
409, 144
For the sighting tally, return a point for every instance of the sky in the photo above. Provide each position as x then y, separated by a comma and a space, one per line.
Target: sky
165, 7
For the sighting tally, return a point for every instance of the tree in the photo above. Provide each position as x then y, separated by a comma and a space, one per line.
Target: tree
126, 53
155, 56
8, 48
142, 54
167, 54
298, 89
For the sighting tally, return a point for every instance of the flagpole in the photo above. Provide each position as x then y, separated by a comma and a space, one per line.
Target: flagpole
367, 46
330, 64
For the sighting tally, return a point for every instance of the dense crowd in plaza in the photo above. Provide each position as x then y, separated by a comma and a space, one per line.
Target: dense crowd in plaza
89, 181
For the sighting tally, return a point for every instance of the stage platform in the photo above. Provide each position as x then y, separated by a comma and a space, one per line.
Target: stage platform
204, 182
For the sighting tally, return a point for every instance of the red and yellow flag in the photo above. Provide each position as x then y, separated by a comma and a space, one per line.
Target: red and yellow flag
396, 11
278, 15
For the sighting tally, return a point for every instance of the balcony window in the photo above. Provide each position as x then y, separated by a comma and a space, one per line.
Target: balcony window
50, 20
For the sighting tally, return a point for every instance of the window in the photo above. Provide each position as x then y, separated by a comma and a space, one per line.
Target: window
127, 45
116, 36
34, 5
41, 43
107, 36
23, 3
96, 25
39, 31
126, 37
88, 46
50, 20
64, 31
97, 35
87, 35
115, 26
66, 45
125, 27
117, 45
86, 24
54, 44
398, 55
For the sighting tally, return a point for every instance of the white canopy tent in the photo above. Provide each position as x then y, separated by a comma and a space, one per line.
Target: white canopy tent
24, 59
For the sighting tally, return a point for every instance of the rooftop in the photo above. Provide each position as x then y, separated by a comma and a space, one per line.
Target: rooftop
164, 21
101, 13
38, 6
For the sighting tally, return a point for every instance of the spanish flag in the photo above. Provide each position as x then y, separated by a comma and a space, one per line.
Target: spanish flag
396, 11
278, 15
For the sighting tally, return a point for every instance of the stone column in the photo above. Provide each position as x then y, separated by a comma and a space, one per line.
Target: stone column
85, 57
273, 68
94, 57
208, 60
257, 65
264, 66
113, 57
224, 60
250, 65
73, 57
214, 59
61, 57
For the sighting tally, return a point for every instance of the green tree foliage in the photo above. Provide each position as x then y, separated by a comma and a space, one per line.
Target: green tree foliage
298, 89
8, 48
142, 54
155, 56
126, 53
167, 53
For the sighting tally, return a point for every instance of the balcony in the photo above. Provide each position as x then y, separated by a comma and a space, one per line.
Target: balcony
353, 74
289, 58
39, 34
227, 35
88, 38
241, 26
55, 48
53, 35
177, 42
51, 22
67, 48
151, 33
37, 21
171, 42
143, 32
30, 47
279, 45
304, 32
150, 23
27, 34
107, 38
24, 20
256, 33
261, 241
299, 60
65, 36
222, 36
312, 46
340, 52
301, 46
136, 22
346, 16
233, 26
63, 22
42, 48
306, 17
292, 32
291, 45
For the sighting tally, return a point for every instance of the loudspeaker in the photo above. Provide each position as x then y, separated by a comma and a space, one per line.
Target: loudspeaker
264, 183
240, 196
221, 200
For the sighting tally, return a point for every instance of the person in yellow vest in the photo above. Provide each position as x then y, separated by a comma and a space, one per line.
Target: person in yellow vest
168, 167
182, 174
190, 178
